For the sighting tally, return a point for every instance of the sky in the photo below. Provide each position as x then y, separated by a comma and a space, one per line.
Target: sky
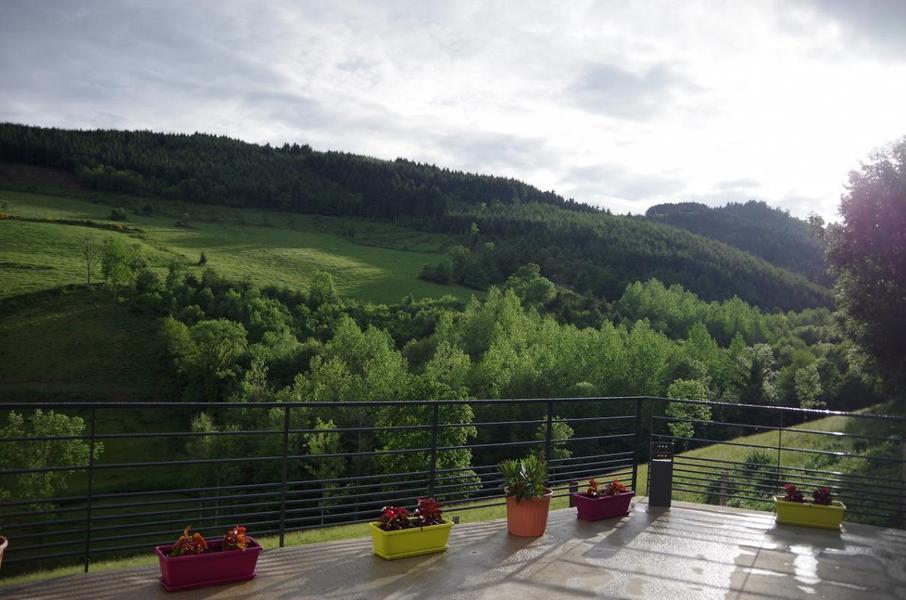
618, 104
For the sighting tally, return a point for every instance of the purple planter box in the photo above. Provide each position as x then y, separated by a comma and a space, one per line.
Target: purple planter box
593, 509
210, 568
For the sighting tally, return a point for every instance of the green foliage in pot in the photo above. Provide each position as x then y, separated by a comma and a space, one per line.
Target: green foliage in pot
524, 478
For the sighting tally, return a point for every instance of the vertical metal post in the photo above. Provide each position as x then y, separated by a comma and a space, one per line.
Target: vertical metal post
650, 437
283, 476
636, 443
432, 478
91, 453
903, 487
549, 434
778, 477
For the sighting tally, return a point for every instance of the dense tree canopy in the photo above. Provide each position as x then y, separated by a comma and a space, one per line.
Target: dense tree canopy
755, 227
868, 251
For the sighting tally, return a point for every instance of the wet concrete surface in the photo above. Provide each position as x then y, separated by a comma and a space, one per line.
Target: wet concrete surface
689, 551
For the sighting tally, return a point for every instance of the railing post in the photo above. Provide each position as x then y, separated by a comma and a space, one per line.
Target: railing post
91, 453
903, 487
778, 481
432, 477
283, 476
637, 444
549, 435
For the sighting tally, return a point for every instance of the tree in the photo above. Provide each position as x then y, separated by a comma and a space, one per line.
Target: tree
808, 387
687, 389
118, 262
322, 290
42, 454
90, 250
218, 346
868, 253
531, 286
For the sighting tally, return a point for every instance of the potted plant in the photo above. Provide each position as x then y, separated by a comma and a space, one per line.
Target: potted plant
603, 502
400, 534
527, 497
822, 511
193, 562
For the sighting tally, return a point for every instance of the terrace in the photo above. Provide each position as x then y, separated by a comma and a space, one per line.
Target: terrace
690, 550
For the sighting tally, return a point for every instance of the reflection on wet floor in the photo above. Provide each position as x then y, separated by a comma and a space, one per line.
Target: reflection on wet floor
690, 551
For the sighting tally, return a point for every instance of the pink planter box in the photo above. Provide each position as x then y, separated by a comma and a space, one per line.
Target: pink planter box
210, 568
593, 509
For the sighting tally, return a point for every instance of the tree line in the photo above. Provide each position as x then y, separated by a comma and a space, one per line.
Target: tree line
585, 249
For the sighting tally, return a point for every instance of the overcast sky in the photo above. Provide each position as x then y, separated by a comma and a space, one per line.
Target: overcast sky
619, 104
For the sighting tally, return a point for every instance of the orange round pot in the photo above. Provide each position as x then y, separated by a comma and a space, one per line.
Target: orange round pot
528, 517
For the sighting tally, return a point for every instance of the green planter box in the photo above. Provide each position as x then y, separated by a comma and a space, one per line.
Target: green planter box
414, 541
809, 514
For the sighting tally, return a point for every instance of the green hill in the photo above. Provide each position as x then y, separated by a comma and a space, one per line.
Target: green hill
575, 244
379, 262
755, 227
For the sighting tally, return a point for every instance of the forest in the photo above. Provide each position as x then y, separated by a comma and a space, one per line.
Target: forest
507, 223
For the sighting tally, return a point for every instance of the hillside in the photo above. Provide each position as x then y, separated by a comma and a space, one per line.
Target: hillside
76, 345
755, 227
589, 250
368, 260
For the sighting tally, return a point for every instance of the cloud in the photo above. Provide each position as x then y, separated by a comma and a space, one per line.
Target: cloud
609, 90
878, 25
604, 183
627, 104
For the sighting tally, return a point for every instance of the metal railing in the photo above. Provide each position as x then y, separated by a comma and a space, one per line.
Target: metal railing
278, 474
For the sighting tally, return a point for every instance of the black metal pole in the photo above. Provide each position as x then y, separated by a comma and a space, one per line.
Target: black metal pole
283, 476
432, 479
638, 443
549, 434
91, 453
779, 449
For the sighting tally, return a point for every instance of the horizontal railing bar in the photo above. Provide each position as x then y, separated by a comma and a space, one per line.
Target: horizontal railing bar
792, 429
785, 449
319, 404
774, 477
817, 412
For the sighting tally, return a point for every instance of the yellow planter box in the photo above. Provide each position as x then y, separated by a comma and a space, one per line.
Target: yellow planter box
414, 541
826, 516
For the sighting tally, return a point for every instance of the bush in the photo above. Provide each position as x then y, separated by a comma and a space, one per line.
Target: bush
118, 214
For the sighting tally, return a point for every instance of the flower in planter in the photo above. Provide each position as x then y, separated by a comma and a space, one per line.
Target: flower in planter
394, 518
615, 487
186, 544
822, 496
792, 493
592, 490
428, 512
235, 539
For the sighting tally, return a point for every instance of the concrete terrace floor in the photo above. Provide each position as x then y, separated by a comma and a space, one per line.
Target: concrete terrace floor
690, 551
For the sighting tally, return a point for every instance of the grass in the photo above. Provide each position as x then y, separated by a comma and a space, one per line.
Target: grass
372, 261
793, 440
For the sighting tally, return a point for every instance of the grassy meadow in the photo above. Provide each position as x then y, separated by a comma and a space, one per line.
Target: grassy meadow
370, 261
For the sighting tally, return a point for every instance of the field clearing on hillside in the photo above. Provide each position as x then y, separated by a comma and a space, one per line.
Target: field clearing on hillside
78, 345
370, 261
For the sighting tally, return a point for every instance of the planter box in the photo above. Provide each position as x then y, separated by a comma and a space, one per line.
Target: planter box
528, 517
826, 516
606, 507
414, 541
209, 568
